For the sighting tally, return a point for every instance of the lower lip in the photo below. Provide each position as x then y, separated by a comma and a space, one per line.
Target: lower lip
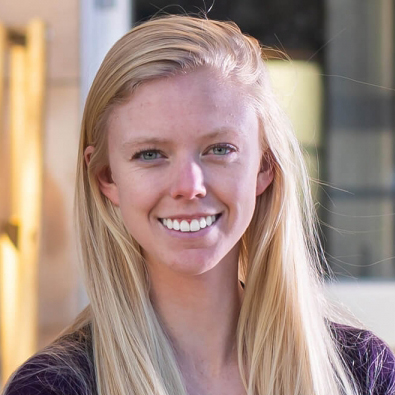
188, 235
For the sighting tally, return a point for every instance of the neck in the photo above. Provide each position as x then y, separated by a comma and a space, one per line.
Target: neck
200, 315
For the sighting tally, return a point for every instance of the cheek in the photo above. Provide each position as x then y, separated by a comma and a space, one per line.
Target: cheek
240, 194
136, 199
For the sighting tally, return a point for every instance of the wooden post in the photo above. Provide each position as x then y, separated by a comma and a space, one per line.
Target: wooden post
19, 254
31, 183
11, 269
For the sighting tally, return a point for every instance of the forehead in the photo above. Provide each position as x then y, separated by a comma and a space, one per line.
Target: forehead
193, 104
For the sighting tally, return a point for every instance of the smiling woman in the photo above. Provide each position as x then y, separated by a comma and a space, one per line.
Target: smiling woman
202, 162
197, 234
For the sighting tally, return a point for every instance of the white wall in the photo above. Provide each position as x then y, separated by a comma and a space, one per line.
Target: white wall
102, 23
373, 303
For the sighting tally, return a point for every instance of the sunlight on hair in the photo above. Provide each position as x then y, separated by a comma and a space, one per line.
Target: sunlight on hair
299, 88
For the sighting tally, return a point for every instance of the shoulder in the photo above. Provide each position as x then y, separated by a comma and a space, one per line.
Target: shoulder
369, 359
63, 368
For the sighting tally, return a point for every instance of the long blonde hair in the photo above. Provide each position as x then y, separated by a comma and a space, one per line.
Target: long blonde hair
283, 338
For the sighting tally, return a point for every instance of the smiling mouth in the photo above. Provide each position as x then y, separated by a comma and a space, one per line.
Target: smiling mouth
192, 226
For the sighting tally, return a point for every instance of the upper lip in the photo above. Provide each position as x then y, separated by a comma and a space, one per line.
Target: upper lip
186, 217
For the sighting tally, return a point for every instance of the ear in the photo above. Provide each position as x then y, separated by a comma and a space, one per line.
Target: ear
264, 178
107, 185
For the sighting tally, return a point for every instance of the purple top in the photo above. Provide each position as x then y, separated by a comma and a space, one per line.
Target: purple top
369, 359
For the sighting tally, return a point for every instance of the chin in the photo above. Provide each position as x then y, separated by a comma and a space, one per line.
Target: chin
191, 267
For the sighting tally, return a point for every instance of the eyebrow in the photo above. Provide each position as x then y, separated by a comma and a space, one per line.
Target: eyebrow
161, 141
145, 140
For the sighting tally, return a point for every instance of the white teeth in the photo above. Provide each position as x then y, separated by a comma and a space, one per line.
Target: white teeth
194, 225
176, 225
184, 226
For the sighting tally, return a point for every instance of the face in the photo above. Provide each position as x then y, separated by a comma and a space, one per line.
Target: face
185, 164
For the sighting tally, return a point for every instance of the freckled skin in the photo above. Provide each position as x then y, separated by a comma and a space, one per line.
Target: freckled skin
184, 175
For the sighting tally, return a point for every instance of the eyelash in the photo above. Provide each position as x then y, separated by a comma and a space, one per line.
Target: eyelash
138, 155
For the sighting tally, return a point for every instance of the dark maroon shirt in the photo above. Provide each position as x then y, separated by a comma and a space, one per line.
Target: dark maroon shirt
68, 368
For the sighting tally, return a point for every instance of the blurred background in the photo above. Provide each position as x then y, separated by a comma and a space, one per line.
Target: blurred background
337, 87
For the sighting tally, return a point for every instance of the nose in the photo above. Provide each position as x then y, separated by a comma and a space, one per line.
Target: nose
188, 181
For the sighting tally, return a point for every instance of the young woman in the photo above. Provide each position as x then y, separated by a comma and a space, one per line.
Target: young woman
197, 233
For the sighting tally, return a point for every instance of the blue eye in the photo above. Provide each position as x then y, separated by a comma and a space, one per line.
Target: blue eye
222, 149
147, 155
